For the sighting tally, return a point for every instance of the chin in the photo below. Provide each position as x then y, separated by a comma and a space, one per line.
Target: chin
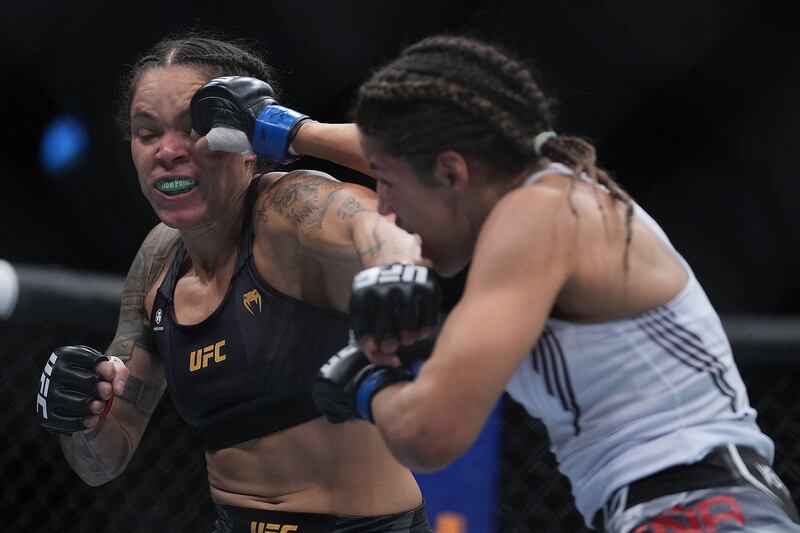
179, 220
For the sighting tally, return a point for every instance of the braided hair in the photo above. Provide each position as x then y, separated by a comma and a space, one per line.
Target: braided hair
456, 93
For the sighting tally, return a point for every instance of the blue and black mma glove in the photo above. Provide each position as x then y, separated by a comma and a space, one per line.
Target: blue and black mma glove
67, 386
344, 387
389, 299
248, 105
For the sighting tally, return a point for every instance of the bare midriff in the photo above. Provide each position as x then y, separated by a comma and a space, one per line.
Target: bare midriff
316, 467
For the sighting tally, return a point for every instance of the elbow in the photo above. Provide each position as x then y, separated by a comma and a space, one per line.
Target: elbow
432, 456
431, 443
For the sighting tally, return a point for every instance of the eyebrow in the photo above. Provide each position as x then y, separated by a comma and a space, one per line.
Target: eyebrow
142, 115
183, 115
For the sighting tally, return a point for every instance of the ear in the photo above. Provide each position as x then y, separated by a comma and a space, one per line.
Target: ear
250, 160
451, 170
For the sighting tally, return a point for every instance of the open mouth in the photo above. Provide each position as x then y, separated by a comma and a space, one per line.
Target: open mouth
176, 185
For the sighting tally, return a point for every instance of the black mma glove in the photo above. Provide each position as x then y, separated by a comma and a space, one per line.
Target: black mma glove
344, 387
67, 386
386, 300
248, 105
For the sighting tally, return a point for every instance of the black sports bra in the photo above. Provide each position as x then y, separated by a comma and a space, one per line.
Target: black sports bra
245, 371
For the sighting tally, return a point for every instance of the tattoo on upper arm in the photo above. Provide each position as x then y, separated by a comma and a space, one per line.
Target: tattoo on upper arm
262, 211
133, 327
350, 208
303, 197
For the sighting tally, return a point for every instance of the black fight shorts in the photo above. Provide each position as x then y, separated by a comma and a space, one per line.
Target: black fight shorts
243, 520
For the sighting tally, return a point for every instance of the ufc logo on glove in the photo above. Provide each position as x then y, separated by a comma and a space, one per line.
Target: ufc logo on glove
44, 385
390, 274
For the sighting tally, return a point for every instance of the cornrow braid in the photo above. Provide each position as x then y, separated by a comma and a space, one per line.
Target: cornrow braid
460, 97
492, 57
455, 93
581, 158
211, 56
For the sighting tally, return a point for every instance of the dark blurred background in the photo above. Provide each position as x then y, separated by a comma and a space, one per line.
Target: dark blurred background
693, 105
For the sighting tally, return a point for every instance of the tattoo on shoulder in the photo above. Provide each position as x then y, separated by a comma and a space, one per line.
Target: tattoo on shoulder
303, 197
151, 259
350, 208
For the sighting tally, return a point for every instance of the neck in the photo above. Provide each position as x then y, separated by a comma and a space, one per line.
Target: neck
211, 245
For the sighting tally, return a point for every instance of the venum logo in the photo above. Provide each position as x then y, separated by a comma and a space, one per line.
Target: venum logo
159, 314
250, 298
261, 527
202, 357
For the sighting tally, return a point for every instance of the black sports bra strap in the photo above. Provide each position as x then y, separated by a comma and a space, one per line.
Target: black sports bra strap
245, 249
167, 288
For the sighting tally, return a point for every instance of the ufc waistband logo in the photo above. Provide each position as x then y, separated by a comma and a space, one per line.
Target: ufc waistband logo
261, 527
44, 385
202, 358
390, 274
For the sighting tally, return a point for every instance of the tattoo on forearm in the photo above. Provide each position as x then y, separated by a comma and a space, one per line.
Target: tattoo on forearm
349, 208
133, 327
84, 459
88, 463
371, 251
304, 197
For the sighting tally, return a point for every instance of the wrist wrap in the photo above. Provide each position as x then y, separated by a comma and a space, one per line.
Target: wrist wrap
275, 128
375, 381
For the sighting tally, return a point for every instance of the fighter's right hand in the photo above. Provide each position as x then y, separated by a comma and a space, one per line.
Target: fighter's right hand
73, 394
392, 309
247, 105
345, 385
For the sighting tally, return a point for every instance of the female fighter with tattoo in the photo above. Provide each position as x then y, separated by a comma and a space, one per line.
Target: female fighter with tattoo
234, 301
575, 303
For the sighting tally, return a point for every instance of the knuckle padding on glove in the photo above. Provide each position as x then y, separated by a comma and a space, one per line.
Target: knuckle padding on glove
77, 379
384, 310
217, 112
66, 401
229, 101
